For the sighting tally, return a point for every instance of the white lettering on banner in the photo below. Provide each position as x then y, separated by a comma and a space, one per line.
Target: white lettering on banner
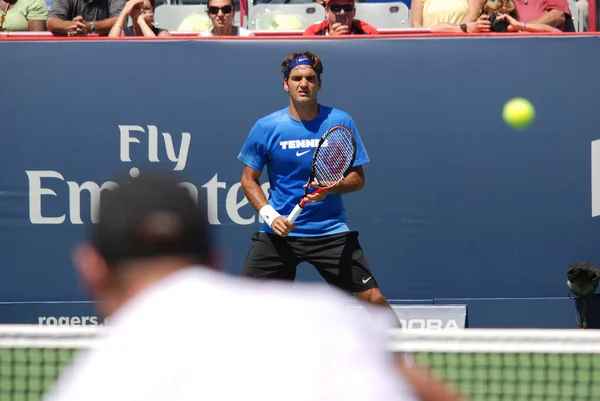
429, 324
47, 182
212, 191
69, 321
75, 198
180, 159
35, 197
233, 206
595, 165
44, 183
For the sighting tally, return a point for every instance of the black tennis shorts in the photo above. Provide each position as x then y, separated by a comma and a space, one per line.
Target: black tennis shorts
338, 258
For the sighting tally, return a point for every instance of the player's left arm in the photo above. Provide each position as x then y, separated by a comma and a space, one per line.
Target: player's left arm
355, 181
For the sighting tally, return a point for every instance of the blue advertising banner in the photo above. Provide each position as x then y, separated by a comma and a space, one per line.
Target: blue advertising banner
457, 205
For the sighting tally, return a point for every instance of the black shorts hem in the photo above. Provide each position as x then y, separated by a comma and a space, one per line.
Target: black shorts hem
338, 258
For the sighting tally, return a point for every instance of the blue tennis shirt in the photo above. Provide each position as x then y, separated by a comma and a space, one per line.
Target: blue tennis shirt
286, 147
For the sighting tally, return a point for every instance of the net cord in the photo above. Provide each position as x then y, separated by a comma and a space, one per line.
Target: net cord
551, 341
36, 336
543, 341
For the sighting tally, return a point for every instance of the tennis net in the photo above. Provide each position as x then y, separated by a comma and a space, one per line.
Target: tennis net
481, 364
32, 357
509, 365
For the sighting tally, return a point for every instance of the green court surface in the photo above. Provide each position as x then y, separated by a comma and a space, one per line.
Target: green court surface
25, 374
518, 377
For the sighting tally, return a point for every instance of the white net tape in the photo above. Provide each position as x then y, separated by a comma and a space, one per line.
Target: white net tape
467, 340
497, 341
34, 336
482, 364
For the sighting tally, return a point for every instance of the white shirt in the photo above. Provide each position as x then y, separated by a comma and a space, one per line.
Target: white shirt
240, 32
202, 335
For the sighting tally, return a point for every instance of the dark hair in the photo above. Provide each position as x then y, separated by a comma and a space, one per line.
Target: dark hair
152, 3
150, 216
317, 65
505, 6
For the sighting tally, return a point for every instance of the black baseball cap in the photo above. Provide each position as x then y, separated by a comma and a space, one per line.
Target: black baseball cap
148, 216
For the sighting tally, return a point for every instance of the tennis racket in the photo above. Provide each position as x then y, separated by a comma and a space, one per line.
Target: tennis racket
331, 163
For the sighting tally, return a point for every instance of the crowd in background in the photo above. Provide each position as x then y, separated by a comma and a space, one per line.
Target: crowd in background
116, 18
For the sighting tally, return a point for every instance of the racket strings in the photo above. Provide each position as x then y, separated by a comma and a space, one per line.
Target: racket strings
333, 160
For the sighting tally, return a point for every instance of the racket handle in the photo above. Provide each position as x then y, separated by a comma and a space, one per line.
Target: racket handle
295, 213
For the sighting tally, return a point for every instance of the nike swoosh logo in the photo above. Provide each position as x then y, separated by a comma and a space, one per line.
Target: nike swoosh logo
366, 280
298, 153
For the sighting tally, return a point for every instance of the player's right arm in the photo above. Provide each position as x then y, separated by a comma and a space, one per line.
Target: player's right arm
255, 195
254, 155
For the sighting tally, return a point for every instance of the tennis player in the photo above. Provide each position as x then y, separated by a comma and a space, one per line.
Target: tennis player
181, 331
284, 142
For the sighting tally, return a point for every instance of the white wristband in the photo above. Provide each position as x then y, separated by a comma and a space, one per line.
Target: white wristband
268, 214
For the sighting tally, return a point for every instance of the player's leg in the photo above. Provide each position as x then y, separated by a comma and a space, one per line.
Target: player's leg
372, 295
270, 258
340, 260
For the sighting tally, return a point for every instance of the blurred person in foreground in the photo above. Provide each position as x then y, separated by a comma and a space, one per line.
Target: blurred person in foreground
340, 21
497, 16
142, 15
23, 15
180, 331
221, 13
83, 17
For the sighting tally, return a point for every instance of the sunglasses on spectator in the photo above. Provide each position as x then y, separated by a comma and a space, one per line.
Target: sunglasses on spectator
215, 10
336, 8
145, 9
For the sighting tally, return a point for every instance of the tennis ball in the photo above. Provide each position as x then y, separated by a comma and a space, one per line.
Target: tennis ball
518, 113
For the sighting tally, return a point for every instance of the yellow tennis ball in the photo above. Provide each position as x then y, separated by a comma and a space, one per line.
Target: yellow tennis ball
518, 113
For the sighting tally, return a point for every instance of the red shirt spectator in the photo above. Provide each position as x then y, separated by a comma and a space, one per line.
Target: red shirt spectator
340, 21
358, 28
551, 12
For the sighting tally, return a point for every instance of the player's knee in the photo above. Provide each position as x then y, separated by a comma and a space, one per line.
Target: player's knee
377, 297
373, 295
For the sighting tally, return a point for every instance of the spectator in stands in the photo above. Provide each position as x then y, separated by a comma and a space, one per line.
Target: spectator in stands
321, 2
23, 15
142, 15
555, 13
340, 21
428, 13
221, 13
82, 17
505, 10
